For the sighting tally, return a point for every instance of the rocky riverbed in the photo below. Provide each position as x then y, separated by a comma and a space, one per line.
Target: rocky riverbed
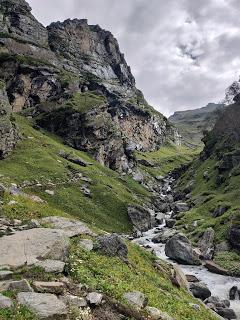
158, 239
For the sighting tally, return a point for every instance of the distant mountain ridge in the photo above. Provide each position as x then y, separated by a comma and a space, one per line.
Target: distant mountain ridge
192, 123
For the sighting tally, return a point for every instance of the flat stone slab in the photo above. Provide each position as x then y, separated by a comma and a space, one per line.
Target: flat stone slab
5, 302
70, 227
26, 247
44, 305
51, 266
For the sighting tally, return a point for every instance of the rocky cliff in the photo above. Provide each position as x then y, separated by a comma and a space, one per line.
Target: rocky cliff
74, 79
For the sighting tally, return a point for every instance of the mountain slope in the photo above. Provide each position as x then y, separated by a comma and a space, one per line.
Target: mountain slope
191, 124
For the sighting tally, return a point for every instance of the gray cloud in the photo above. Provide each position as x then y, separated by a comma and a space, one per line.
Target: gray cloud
183, 53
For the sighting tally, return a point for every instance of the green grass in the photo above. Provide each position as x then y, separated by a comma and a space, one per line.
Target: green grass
36, 158
167, 158
17, 313
84, 102
114, 277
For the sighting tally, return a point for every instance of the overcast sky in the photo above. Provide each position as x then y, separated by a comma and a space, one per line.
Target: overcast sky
183, 53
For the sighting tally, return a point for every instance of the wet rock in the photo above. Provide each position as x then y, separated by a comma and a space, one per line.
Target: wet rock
192, 278
49, 287
141, 218
27, 247
170, 223
94, 298
181, 207
180, 249
20, 286
206, 244
213, 267
159, 218
113, 246
200, 290
5, 302
164, 236
226, 313
51, 266
70, 227
136, 299
233, 293
44, 305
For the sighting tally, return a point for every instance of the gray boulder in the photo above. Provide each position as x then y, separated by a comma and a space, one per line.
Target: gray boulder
20, 286
170, 223
94, 298
206, 244
49, 287
46, 306
86, 244
74, 301
234, 236
181, 207
5, 302
180, 249
70, 227
227, 313
51, 266
27, 247
157, 314
136, 299
141, 218
200, 290
113, 246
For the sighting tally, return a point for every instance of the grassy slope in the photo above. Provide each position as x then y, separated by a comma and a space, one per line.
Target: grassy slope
208, 197
113, 277
167, 158
36, 159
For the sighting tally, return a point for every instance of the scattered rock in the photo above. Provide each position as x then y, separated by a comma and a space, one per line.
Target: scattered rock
145, 162
159, 218
5, 302
233, 293
49, 287
86, 244
181, 207
86, 191
213, 267
73, 159
20, 286
219, 211
141, 218
180, 249
51, 266
70, 227
113, 246
44, 305
50, 192
156, 314
138, 177
170, 223
227, 313
136, 299
94, 298
27, 247
234, 236
195, 306
191, 278
200, 290
5, 274
206, 244
178, 278
74, 301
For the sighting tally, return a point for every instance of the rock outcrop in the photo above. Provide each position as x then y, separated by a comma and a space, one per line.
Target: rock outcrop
73, 76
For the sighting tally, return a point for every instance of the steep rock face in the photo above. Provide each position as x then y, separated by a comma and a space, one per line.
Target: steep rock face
8, 131
16, 21
75, 79
90, 49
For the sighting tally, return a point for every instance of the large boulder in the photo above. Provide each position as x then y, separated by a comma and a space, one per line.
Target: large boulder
113, 246
180, 249
206, 244
46, 306
70, 227
200, 290
27, 247
141, 218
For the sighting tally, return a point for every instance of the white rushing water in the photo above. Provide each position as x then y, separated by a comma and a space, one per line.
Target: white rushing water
219, 285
